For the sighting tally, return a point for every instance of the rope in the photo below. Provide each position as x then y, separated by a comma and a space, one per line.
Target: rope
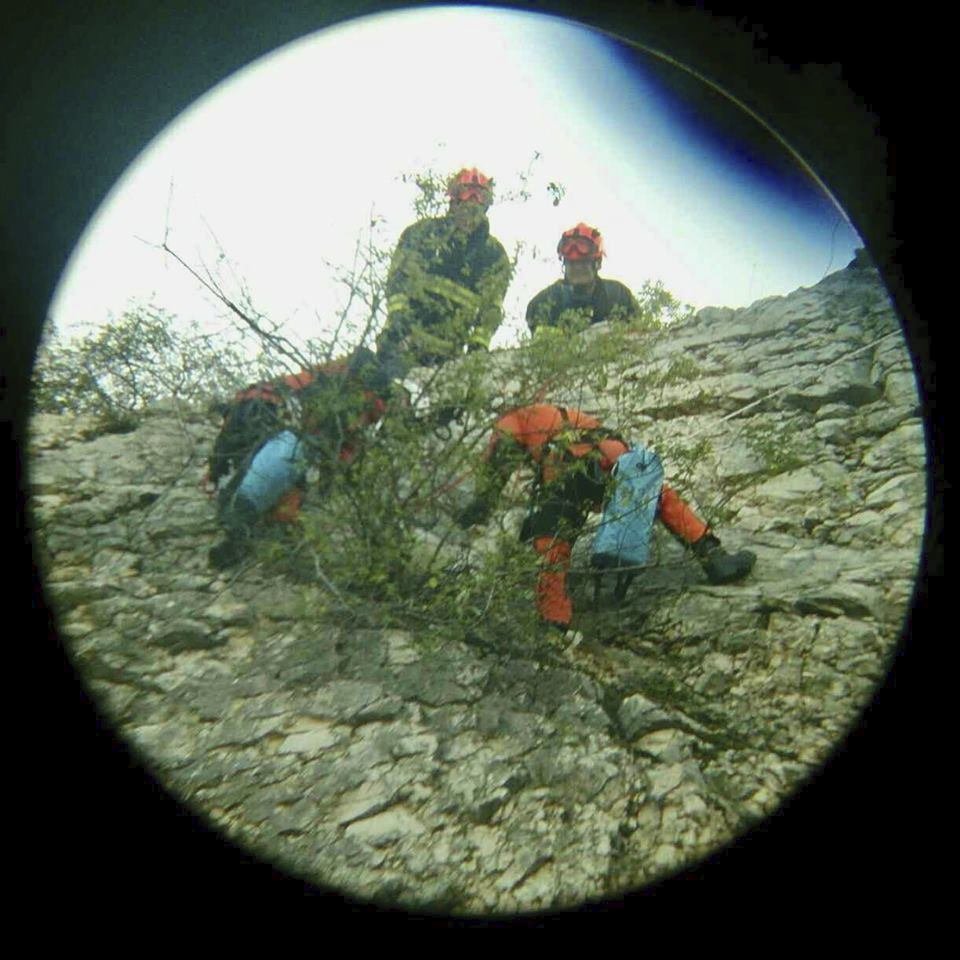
709, 427
450, 485
815, 376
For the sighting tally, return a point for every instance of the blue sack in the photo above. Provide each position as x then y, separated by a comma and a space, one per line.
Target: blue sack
277, 468
626, 527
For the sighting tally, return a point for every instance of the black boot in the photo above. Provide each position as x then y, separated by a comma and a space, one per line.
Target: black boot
720, 566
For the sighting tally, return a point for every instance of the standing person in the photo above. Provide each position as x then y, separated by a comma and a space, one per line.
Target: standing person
581, 290
272, 431
575, 455
447, 281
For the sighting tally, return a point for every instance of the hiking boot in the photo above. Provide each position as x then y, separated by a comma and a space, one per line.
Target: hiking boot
720, 566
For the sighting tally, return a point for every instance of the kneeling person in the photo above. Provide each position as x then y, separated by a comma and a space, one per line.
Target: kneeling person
273, 431
575, 457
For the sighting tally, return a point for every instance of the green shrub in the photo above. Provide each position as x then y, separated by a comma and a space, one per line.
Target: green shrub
130, 363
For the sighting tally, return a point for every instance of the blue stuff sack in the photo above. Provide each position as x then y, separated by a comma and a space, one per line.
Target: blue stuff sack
276, 469
626, 527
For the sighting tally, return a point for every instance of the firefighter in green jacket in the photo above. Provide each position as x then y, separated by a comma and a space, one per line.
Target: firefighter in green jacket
446, 283
582, 293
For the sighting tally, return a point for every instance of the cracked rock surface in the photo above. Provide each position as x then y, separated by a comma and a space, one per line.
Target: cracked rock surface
465, 778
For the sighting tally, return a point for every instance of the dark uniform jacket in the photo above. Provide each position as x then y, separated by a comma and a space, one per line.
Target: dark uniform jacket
609, 300
445, 291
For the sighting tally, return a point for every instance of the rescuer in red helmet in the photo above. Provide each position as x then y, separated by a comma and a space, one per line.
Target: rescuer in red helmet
447, 281
581, 291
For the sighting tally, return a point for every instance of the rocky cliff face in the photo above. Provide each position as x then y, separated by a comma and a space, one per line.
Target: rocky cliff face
481, 780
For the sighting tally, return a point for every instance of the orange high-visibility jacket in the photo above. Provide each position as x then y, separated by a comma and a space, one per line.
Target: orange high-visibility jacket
535, 426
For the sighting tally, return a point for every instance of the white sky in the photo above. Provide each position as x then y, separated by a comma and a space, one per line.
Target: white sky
285, 161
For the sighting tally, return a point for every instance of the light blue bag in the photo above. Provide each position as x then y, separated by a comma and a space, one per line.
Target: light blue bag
626, 527
277, 468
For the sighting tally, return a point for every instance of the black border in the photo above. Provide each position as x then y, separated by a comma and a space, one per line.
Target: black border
86, 85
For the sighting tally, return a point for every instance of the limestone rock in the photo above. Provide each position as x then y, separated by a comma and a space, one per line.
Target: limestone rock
184, 634
639, 716
483, 773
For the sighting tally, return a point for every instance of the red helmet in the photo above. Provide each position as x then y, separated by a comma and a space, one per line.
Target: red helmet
471, 184
581, 242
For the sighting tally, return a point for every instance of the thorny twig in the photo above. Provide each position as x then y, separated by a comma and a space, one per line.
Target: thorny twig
281, 344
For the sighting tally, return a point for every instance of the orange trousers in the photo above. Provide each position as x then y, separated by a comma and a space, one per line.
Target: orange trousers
287, 508
553, 602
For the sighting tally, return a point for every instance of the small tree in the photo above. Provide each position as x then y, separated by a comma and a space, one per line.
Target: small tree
130, 363
385, 532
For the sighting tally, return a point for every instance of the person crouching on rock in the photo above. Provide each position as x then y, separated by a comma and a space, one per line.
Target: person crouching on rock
272, 431
575, 458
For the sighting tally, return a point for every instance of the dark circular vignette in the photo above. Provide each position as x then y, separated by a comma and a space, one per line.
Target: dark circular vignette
104, 829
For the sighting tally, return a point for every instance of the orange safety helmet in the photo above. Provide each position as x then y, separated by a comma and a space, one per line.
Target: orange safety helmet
581, 242
471, 184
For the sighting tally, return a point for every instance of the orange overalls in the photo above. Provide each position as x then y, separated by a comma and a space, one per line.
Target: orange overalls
552, 436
